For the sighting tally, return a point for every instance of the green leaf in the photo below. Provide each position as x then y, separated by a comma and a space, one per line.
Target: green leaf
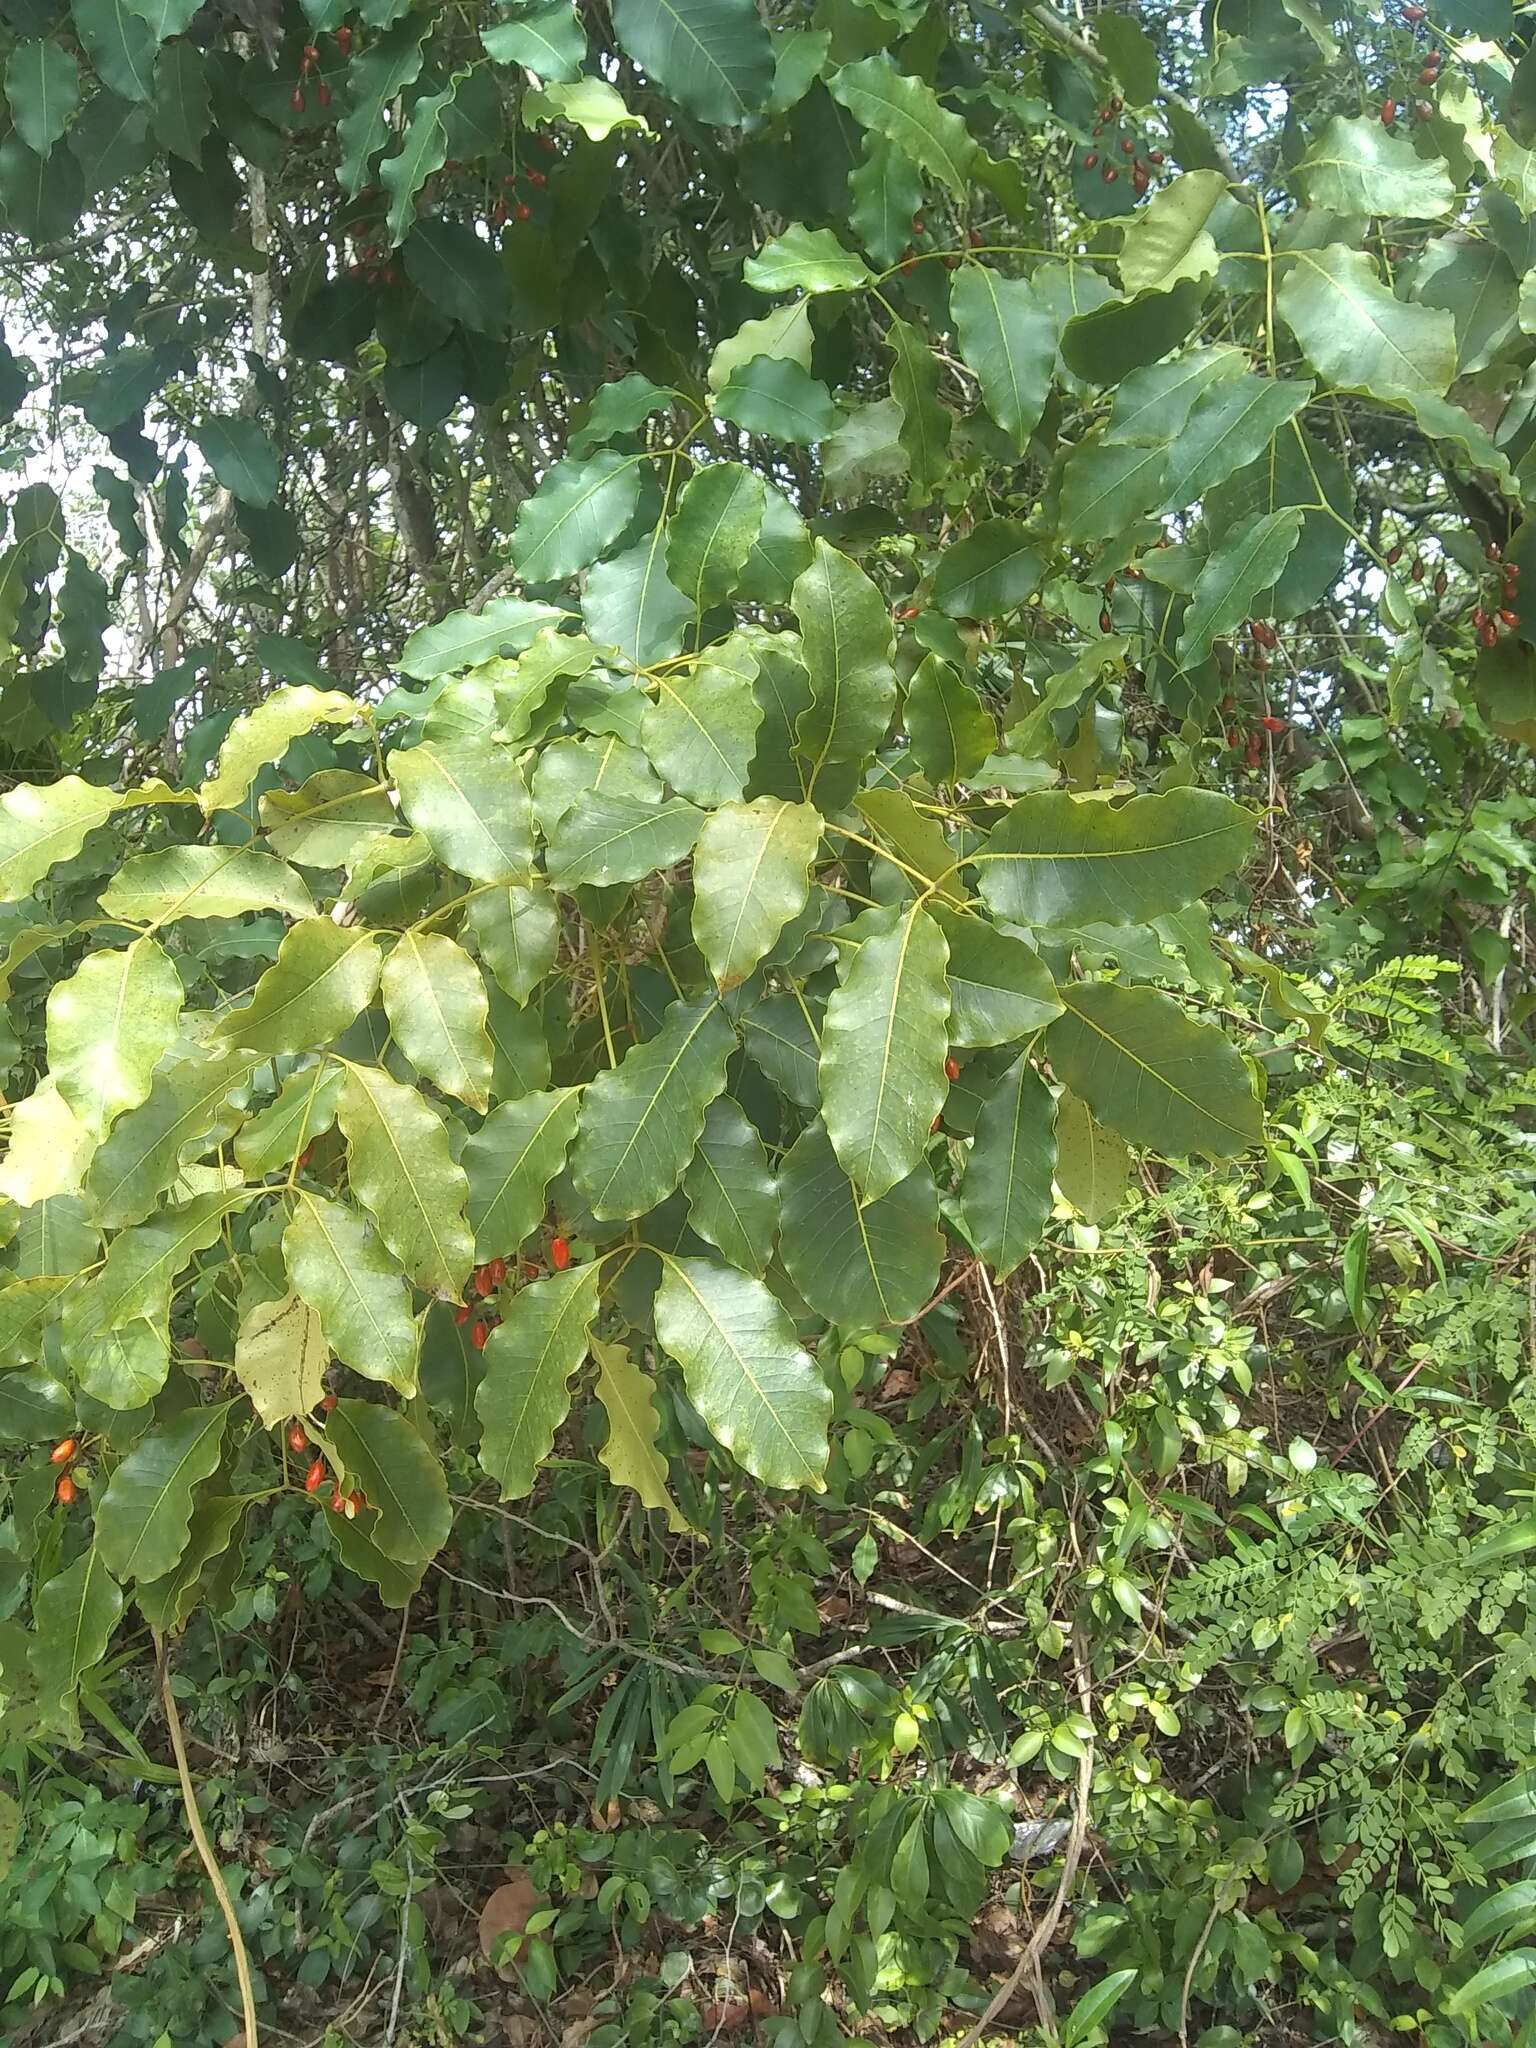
516, 930
401, 1475
1105, 484
718, 517
510, 1162
41, 826
435, 1000
885, 190
324, 976
121, 47
376, 77
774, 396
280, 1358
701, 727
180, 118
468, 800
402, 1171
1061, 859
590, 104
906, 112
42, 83
74, 1616
785, 334
28, 1306
1169, 239
1502, 1978
630, 604
1132, 55
883, 1047
758, 1392
359, 1295
466, 639
1249, 562
1149, 1072
779, 1038
143, 1515
628, 1396
1106, 344
950, 731
457, 272
1360, 166
305, 1107
167, 1604
1093, 1164
999, 988
1007, 335
49, 1151
733, 1201
641, 1120
993, 570
925, 424
529, 1360
1356, 334
1232, 423
187, 1103
203, 881
423, 151
751, 876
578, 511
548, 41
607, 839
806, 260
34, 1407
243, 460
109, 1025
1006, 1193
862, 1266
266, 734
713, 57
915, 837
848, 648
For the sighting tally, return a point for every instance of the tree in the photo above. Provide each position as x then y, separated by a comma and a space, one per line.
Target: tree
709, 660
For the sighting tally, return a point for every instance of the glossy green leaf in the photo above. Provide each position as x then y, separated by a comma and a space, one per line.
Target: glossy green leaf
751, 875
1234, 421
700, 729
324, 976
465, 639
27, 1307
1006, 1193
925, 424
360, 1298
848, 649
468, 800
1093, 1163
1008, 336
1060, 859
950, 731
883, 1047
422, 152
142, 1516
529, 1361
109, 1025
241, 457
436, 1003
718, 518
907, 112
733, 1202
42, 84
1151, 1073
1361, 166
402, 1171
999, 988
510, 1162
120, 45
773, 396
806, 260
577, 513
43, 825
400, 1473
863, 1266
1244, 565
713, 57
203, 881
632, 605
35, 1408
757, 1391
516, 929
266, 734
1356, 334
549, 41
618, 839
1169, 239
75, 1614
641, 1120
994, 570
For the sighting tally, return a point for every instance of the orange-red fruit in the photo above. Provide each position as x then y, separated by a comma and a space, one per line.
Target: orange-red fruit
1479, 618
523, 211
1091, 160
311, 54
297, 1440
314, 1478
1388, 113
498, 1271
1111, 172
65, 1491
559, 1254
1273, 724
297, 99
1127, 146
1488, 634
63, 1452
327, 1404
462, 1315
1106, 620
952, 1068
1442, 583
1510, 618
1116, 104
1416, 573
338, 1500
478, 1336
1154, 156
483, 1282
344, 40
323, 94
537, 178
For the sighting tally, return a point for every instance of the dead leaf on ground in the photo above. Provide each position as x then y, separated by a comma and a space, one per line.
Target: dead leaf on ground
508, 1910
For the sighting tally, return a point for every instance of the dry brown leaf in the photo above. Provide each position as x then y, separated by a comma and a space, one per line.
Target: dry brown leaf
508, 1910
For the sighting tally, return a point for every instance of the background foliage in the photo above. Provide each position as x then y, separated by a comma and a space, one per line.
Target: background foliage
764, 881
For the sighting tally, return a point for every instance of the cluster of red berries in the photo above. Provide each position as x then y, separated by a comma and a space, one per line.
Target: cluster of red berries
309, 62
1429, 75
507, 208
1140, 167
1500, 609
373, 268
950, 258
63, 1453
349, 1504
486, 1279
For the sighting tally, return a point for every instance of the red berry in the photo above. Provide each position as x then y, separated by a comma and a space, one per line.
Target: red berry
559, 1253
1232, 735
498, 1272
1111, 172
523, 211
1140, 180
1442, 583
1154, 156
323, 93
338, 1500
344, 40
1273, 724
499, 212
1388, 113
311, 54
1394, 555
1488, 635
328, 1404
482, 1282
1479, 617
63, 1452
1091, 160
1127, 147
478, 1336
1494, 552
537, 179
462, 1315
1416, 573
1509, 618
1413, 14
314, 1478
1116, 104
297, 1440
297, 99
1263, 633
65, 1491
1106, 620
952, 1068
